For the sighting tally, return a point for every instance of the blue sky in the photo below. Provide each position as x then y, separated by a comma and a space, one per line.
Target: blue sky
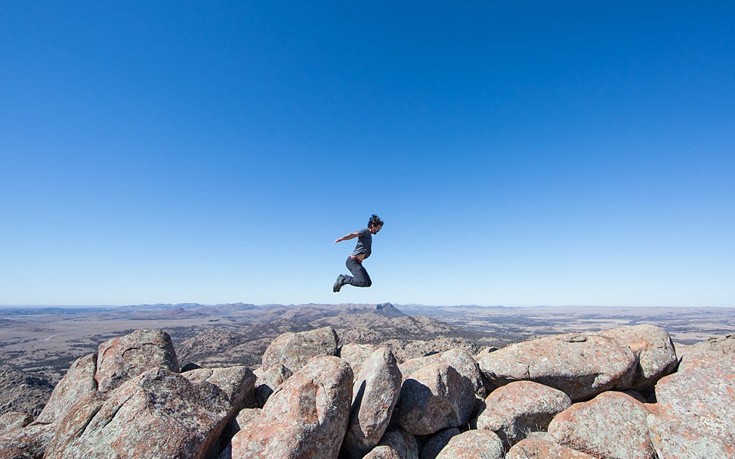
538, 153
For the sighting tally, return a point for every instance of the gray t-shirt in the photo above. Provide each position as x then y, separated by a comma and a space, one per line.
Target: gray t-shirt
364, 243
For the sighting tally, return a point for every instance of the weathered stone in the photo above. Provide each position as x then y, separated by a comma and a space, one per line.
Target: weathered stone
458, 358
14, 420
268, 380
473, 444
237, 383
673, 438
700, 396
536, 448
126, 357
293, 350
437, 442
77, 383
521, 407
355, 354
435, 397
157, 414
396, 444
306, 417
580, 365
652, 348
374, 395
28, 442
611, 425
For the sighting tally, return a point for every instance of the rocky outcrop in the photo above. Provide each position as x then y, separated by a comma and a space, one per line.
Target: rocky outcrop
439, 395
612, 425
472, 444
78, 382
268, 380
306, 417
538, 448
294, 350
653, 351
157, 414
694, 414
115, 407
519, 408
397, 444
580, 365
374, 395
124, 358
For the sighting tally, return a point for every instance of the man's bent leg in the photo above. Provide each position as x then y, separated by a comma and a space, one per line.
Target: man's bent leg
360, 277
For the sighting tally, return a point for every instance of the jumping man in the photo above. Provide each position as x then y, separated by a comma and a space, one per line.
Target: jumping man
360, 277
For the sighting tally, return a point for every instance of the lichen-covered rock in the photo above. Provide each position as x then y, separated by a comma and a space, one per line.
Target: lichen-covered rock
536, 448
436, 397
306, 417
673, 438
397, 444
473, 444
652, 348
374, 395
123, 358
355, 354
28, 442
611, 426
14, 420
460, 359
700, 396
294, 350
580, 365
76, 384
268, 380
516, 409
237, 383
157, 414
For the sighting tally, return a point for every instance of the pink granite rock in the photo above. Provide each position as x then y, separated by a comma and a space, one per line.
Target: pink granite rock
126, 357
306, 417
611, 426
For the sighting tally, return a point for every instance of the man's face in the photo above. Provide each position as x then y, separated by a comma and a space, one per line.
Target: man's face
375, 229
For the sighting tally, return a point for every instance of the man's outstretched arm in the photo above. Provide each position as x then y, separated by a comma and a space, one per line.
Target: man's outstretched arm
347, 237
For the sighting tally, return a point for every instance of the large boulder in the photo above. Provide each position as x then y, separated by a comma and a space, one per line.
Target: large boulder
652, 348
356, 354
294, 350
267, 381
306, 417
611, 426
580, 365
77, 383
673, 438
374, 395
397, 444
237, 383
462, 361
519, 408
473, 444
538, 448
699, 398
157, 414
439, 395
123, 358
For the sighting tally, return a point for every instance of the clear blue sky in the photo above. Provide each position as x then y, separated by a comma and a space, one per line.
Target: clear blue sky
520, 153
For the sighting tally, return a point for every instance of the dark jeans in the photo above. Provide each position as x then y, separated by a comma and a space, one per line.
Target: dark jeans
360, 277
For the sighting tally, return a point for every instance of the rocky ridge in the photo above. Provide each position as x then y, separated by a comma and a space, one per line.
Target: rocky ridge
621, 393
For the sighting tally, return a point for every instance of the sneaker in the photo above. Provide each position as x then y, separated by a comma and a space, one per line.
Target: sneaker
338, 283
